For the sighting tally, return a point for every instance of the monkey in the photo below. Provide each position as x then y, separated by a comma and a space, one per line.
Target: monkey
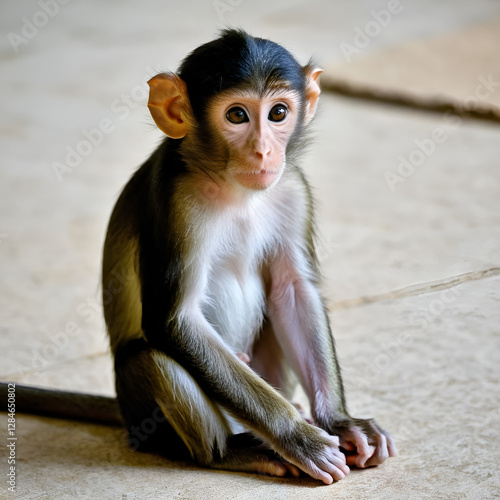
221, 314
222, 310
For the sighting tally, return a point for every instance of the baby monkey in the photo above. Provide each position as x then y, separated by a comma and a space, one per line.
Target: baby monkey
220, 314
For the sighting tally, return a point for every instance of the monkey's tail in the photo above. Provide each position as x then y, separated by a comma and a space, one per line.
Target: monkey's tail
59, 404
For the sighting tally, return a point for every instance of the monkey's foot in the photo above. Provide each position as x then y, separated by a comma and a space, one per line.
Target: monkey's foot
246, 453
259, 462
243, 357
303, 413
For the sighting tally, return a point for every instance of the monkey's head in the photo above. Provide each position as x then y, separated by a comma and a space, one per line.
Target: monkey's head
244, 99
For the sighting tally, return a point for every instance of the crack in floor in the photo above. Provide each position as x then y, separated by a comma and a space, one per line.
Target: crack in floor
484, 111
421, 288
409, 291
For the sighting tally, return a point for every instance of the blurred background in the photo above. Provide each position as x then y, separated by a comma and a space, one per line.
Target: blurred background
405, 166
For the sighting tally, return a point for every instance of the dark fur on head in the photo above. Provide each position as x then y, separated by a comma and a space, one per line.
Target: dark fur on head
237, 59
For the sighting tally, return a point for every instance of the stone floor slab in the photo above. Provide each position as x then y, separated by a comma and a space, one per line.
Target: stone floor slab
461, 68
397, 208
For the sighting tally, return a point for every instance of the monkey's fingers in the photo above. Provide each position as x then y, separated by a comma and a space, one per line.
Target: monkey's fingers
359, 461
385, 448
243, 357
391, 445
330, 465
359, 450
367, 445
347, 447
328, 469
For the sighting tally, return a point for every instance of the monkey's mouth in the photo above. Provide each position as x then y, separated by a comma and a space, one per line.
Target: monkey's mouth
261, 171
257, 179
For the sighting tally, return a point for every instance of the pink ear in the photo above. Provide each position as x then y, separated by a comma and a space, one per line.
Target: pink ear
167, 99
313, 91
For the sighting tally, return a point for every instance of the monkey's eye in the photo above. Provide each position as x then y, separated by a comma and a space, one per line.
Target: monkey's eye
278, 113
237, 115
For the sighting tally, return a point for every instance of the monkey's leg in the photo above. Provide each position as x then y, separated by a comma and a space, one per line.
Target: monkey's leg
167, 412
268, 360
301, 325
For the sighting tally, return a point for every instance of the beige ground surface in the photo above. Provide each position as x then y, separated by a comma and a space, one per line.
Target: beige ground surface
460, 68
409, 216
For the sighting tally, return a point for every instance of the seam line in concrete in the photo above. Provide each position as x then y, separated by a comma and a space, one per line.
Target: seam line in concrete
410, 291
485, 112
420, 289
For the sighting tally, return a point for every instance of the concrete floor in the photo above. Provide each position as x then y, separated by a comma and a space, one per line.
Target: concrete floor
411, 254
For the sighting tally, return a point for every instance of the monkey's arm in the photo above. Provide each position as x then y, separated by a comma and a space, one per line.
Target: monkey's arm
252, 401
301, 326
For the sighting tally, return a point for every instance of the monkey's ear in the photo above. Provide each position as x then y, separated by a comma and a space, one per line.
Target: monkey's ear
168, 98
313, 90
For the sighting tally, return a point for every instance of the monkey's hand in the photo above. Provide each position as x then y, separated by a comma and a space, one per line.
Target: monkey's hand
363, 442
315, 452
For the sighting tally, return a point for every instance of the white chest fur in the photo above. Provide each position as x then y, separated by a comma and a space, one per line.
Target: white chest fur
234, 298
235, 302
223, 271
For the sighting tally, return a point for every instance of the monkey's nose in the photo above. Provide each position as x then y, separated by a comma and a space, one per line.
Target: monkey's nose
262, 151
